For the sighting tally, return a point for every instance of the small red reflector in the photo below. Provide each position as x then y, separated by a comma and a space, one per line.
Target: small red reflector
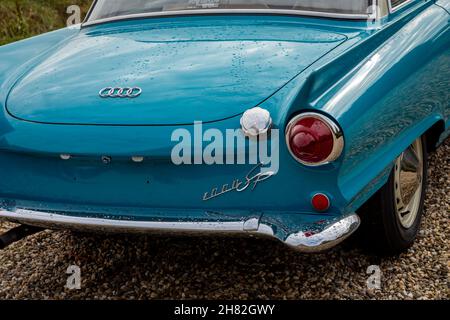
320, 202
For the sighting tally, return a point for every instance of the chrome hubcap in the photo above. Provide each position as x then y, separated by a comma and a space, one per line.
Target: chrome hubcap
408, 183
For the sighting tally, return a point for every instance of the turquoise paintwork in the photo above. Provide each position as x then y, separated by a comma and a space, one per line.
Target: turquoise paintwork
385, 83
173, 62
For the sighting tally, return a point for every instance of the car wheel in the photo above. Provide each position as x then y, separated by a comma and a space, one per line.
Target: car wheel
391, 218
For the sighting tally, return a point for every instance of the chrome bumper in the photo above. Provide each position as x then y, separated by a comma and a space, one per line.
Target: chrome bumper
304, 241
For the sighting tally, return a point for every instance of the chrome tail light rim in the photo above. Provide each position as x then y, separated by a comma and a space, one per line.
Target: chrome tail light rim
338, 138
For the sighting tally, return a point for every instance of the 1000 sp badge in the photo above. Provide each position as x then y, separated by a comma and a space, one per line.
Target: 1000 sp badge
253, 178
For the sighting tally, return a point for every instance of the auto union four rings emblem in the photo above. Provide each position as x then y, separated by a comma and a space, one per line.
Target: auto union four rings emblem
117, 92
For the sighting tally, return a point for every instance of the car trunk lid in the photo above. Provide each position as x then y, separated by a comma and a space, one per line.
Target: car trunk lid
189, 69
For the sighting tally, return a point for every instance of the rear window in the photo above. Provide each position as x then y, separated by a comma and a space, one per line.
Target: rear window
104, 9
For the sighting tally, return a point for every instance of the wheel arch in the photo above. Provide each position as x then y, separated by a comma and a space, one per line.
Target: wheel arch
378, 169
433, 135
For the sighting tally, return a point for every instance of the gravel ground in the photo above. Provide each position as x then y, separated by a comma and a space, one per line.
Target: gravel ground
131, 267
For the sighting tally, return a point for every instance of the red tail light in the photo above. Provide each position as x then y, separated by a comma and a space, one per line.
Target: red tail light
314, 139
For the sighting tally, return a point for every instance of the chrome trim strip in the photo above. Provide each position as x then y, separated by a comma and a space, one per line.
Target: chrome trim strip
234, 11
338, 138
91, 8
53, 220
382, 7
395, 9
307, 242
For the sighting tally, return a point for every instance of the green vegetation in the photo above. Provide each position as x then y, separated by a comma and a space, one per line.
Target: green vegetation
21, 19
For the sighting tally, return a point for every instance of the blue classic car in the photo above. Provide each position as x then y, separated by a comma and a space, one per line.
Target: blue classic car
297, 120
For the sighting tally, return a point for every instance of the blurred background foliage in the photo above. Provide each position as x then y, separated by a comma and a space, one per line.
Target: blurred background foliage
20, 19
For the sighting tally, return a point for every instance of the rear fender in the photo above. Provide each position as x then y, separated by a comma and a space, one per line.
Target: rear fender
391, 99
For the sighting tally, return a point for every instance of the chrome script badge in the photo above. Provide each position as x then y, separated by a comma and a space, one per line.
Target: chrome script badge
252, 179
